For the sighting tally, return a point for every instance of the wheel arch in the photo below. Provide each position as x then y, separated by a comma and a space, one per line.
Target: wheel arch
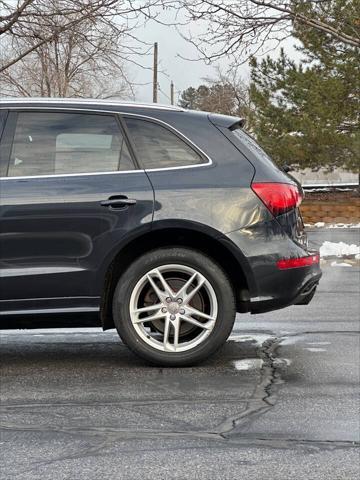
185, 234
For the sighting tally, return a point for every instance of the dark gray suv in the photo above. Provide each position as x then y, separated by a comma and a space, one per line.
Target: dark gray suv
155, 220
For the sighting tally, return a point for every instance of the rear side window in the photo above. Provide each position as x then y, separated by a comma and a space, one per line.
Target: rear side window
253, 146
158, 147
66, 143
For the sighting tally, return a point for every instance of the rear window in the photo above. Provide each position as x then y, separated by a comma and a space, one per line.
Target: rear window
158, 147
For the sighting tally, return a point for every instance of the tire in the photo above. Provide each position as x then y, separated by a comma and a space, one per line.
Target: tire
180, 328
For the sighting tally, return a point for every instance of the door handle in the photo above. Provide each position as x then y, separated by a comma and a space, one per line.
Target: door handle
116, 202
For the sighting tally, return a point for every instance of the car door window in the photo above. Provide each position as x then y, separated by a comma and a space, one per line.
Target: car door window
48, 143
158, 147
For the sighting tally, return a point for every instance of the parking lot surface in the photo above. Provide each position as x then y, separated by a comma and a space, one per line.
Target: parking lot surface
279, 401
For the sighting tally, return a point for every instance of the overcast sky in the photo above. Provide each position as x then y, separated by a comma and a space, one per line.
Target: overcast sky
184, 73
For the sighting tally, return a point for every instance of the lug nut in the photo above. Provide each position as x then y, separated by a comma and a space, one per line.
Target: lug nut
172, 317
179, 301
182, 311
164, 310
168, 300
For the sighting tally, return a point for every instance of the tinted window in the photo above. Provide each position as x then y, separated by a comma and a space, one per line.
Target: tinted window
3, 114
157, 147
252, 145
62, 143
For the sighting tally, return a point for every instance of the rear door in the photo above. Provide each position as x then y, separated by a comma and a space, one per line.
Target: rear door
70, 197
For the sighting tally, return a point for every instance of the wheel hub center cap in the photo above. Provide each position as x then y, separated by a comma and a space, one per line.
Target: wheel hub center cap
173, 308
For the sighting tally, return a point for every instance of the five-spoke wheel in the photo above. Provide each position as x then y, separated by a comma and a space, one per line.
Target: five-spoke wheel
180, 297
174, 306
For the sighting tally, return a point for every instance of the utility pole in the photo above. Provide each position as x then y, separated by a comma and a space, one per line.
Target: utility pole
172, 92
155, 74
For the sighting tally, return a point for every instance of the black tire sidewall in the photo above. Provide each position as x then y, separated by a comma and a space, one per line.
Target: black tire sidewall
183, 256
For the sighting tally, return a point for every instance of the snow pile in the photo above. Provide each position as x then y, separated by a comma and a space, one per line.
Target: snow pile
340, 249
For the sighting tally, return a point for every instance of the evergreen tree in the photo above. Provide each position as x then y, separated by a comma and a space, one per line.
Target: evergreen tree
307, 114
188, 98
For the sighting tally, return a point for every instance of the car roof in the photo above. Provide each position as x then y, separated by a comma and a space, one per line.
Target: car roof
112, 105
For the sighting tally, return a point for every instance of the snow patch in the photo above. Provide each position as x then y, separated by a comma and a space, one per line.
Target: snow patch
339, 249
332, 225
248, 364
241, 338
341, 264
257, 339
313, 349
344, 225
282, 362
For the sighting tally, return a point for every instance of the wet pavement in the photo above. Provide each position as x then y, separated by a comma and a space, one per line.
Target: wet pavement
279, 401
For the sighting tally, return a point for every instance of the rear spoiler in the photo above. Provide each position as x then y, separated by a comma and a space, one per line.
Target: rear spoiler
225, 121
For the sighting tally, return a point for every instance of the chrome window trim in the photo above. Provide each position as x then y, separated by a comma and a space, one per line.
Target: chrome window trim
61, 175
116, 172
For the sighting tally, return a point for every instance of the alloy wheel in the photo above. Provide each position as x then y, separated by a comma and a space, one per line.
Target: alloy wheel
181, 297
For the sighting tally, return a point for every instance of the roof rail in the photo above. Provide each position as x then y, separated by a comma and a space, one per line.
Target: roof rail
82, 101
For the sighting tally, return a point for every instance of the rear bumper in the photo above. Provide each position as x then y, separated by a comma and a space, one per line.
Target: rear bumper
307, 293
292, 291
273, 288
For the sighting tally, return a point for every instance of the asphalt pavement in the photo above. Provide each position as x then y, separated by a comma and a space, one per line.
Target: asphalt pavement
279, 401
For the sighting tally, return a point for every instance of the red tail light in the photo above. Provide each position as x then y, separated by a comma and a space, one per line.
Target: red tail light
286, 263
278, 197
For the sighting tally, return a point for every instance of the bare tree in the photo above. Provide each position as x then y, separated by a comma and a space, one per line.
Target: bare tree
11, 12
244, 27
86, 61
28, 25
224, 93
230, 92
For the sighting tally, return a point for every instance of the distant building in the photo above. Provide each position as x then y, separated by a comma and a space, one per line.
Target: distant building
336, 178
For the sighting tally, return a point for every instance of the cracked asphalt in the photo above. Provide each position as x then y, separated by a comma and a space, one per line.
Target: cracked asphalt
279, 401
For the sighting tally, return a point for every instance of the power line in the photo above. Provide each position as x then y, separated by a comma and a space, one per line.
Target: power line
165, 94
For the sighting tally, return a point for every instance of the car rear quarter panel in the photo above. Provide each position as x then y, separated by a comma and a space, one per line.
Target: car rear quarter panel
216, 194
